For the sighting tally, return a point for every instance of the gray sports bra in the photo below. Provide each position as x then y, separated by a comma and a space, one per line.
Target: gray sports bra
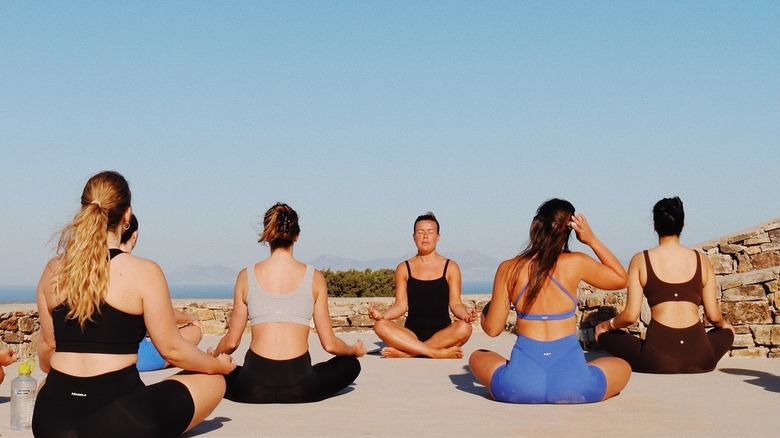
264, 307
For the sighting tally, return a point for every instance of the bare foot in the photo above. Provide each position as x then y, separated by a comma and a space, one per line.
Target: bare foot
394, 353
448, 353
436, 353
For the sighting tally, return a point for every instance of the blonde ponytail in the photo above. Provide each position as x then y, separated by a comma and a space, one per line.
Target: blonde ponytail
82, 279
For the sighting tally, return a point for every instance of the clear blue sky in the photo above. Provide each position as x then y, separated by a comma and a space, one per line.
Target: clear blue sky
362, 115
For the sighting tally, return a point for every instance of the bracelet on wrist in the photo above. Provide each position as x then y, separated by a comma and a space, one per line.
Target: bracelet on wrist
611, 324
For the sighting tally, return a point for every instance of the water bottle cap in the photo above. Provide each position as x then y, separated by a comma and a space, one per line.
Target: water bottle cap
25, 368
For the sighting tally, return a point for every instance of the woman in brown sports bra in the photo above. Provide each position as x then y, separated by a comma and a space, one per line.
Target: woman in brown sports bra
676, 281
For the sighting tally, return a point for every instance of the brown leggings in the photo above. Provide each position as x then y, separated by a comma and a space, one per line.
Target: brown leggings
667, 350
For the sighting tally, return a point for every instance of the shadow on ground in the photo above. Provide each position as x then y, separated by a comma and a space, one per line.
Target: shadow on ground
466, 382
769, 382
207, 426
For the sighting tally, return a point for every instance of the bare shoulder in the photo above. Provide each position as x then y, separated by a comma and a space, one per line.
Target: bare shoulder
568, 259
318, 276
453, 265
137, 262
242, 276
637, 260
706, 265
505, 266
52, 265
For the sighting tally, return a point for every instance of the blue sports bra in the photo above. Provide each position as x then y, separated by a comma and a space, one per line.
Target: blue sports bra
547, 316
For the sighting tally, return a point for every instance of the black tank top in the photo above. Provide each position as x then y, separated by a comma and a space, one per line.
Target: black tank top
658, 291
428, 301
111, 331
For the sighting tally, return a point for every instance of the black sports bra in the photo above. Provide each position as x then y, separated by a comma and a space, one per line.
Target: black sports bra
111, 331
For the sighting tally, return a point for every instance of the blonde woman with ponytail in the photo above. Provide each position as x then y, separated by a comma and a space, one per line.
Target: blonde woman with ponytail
95, 303
280, 296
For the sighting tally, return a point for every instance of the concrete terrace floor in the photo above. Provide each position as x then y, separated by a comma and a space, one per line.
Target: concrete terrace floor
424, 397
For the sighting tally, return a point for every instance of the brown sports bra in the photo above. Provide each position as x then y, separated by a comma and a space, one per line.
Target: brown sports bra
658, 291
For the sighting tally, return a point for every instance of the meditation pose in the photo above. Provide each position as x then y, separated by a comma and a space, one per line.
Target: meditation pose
428, 286
547, 364
7, 357
98, 302
149, 359
278, 296
676, 281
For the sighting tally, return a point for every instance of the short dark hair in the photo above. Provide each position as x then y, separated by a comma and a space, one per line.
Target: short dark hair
132, 228
428, 216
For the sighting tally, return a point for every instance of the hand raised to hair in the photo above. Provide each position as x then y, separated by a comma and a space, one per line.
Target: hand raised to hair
582, 229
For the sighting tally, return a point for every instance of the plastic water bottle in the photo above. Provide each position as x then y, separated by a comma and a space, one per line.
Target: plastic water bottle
24, 388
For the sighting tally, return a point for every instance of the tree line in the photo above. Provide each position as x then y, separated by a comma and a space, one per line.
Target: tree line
354, 283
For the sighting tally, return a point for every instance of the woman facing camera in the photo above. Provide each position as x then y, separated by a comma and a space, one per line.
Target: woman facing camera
675, 280
95, 304
428, 286
547, 364
278, 296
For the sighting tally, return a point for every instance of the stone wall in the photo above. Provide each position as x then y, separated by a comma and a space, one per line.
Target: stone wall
19, 330
747, 270
746, 264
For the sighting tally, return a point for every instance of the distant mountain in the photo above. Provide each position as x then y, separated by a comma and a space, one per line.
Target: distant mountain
336, 263
475, 268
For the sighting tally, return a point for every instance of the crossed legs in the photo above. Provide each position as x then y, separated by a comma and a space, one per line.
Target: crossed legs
402, 342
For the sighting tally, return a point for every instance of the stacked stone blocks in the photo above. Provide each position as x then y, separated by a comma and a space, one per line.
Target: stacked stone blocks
746, 264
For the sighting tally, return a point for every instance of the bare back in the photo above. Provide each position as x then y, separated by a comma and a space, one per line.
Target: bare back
552, 299
130, 276
279, 340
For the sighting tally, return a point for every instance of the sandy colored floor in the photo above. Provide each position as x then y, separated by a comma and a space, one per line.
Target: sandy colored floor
424, 397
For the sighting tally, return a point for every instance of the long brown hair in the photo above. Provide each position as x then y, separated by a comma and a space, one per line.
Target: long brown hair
83, 272
549, 237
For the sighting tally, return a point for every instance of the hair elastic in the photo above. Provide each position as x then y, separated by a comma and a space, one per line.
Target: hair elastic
98, 203
282, 223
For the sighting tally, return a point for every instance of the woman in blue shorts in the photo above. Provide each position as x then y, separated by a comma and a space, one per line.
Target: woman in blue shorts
547, 364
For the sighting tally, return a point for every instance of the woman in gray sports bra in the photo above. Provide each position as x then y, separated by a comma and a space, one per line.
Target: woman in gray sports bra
676, 281
279, 296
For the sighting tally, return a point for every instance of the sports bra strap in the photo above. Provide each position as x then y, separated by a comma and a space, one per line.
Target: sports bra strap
409, 270
547, 316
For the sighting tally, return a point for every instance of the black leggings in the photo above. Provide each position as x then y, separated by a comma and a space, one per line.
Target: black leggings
115, 404
668, 350
262, 380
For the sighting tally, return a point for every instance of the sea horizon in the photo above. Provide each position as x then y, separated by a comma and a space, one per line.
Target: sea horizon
26, 294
